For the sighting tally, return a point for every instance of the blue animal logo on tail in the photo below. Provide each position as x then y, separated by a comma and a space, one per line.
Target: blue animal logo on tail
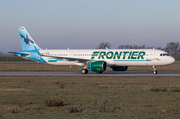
27, 40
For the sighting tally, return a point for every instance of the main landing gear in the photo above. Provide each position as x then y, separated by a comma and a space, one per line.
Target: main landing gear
84, 71
154, 67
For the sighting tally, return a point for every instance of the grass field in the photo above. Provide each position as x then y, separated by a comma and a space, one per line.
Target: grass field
177, 57
90, 97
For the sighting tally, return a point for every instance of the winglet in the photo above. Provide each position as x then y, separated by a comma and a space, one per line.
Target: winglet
37, 50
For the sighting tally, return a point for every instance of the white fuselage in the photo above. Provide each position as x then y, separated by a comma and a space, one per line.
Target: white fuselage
113, 57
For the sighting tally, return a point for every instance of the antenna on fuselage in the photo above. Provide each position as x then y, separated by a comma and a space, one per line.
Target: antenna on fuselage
67, 48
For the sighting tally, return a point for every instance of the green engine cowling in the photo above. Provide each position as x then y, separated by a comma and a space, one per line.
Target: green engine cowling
119, 68
98, 66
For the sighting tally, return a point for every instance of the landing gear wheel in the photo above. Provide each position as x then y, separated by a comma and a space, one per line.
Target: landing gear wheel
154, 67
84, 71
99, 72
155, 72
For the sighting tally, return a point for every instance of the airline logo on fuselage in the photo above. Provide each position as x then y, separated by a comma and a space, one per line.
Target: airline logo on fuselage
118, 55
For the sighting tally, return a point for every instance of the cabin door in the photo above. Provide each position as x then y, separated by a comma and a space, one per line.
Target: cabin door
152, 55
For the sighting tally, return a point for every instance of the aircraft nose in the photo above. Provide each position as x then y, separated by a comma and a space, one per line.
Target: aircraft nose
171, 60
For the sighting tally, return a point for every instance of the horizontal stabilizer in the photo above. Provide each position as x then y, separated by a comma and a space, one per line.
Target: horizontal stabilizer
19, 53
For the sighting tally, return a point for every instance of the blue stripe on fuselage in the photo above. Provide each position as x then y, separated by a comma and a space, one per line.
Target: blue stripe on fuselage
55, 60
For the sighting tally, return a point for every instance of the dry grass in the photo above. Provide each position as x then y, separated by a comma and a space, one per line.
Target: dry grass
13, 66
161, 89
89, 97
55, 102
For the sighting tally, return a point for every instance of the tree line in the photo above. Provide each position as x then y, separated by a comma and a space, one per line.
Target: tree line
172, 48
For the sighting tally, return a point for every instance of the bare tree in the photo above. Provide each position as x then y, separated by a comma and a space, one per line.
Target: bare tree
172, 48
103, 45
131, 47
159, 48
121, 47
142, 47
178, 51
135, 47
126, 46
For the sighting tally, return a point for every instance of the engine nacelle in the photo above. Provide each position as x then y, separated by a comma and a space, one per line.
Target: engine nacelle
119, 68
98, 66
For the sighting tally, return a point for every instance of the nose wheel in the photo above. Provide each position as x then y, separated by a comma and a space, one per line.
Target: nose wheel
155, 72
154, 67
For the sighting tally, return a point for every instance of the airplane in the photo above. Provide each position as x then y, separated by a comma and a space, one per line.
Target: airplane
96, 60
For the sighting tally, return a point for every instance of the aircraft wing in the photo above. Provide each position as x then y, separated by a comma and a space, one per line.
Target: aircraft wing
81, 60
69, 58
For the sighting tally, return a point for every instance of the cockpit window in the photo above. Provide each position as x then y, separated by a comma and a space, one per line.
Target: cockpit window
164, 54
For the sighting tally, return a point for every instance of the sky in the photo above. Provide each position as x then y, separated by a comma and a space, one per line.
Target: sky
79, 24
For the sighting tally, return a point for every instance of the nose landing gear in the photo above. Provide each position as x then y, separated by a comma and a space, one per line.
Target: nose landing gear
155, 72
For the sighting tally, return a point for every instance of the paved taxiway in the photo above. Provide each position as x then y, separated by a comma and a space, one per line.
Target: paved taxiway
77, 73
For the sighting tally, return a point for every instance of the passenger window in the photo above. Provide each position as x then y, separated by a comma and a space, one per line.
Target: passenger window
164, 54
160, 54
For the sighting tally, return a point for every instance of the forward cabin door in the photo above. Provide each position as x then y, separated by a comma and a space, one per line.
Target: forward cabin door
152, 55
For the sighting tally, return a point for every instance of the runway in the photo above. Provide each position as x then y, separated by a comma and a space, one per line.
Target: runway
77, 73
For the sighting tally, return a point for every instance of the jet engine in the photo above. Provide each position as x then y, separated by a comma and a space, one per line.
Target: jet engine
98, 66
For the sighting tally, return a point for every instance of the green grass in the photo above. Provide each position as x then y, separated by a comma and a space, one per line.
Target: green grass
177, 57
13, 59
90, 97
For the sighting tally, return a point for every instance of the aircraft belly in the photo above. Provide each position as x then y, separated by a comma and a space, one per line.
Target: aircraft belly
130, 63
153, 63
